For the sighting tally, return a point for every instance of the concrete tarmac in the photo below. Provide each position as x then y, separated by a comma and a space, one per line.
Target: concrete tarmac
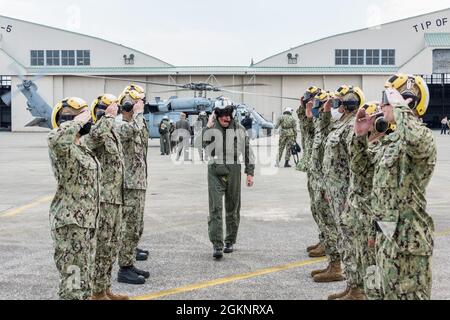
270, 261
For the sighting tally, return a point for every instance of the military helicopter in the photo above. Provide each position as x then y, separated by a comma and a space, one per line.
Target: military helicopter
157, 109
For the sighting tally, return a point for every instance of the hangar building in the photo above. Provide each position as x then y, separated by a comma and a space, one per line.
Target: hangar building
54, 59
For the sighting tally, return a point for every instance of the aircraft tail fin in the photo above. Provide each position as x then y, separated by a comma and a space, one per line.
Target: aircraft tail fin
37, 122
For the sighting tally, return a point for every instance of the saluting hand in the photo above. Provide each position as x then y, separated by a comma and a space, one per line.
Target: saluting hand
309, 113
327, 106
211, 120
112, 110
83, 117
363, 123
138, 107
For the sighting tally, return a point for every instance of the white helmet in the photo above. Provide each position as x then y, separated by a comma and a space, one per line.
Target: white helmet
166, 118
203, 113
288, 110
222, 103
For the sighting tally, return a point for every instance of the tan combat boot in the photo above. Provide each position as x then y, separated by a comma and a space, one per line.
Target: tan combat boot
354, 294
113, 296
333, 273
310, 248
100, 296
316, 272
340, 294
318, 252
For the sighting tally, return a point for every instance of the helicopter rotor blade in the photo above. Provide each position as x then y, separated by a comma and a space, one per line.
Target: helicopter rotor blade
261, 95
243, 85
174, 90
131, 80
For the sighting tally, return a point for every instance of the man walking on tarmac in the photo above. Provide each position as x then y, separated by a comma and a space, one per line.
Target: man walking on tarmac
227, 145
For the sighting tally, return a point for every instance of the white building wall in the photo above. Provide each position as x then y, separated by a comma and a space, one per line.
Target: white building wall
400, 35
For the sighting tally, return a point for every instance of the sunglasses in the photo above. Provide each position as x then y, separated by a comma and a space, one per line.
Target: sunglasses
66, 118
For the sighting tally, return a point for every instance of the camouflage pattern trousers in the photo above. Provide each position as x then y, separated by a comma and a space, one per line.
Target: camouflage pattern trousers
399, 275
228, 186
132, 225
336, 193
285, 142
74, 258
323, 217
365, 256
108, 231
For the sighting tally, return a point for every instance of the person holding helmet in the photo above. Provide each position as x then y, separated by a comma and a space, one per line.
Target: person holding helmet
134, 135
306, 128
404, 167
104, 141
227, 145
164, 136
74, 209
320, 109
336, 170
288, 135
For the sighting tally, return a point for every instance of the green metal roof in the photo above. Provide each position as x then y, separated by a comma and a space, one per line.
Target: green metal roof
437, 39
225, 70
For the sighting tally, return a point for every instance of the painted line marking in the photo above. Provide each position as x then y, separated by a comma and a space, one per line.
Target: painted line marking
220, 281
15, 211
244, 276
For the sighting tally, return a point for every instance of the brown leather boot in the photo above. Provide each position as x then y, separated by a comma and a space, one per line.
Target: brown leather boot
113, 296
310, 248
333, 273
100, 296
318, 252
340, 294
354, 294
316, 272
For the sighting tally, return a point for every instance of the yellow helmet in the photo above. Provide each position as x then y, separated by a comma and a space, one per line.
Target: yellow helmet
348, 94
102, 102
73, 105
134, 91
411, 87
371, 107
321, 98
311, 93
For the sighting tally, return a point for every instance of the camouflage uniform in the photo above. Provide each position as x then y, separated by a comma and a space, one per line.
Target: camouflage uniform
404, 241
224, 177
105, 143
74, 210
288, 135
307, 136
320, 205
361, 178
336, 170
164, 138
134, 137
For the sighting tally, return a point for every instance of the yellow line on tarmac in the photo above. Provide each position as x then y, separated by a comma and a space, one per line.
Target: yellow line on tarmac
16, 211
442, 233
216, 282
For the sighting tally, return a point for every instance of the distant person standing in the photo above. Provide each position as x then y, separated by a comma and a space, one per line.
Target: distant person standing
182, 136
444, 123
247, 123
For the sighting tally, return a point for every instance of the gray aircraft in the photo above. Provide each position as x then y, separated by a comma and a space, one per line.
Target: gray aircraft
157, 109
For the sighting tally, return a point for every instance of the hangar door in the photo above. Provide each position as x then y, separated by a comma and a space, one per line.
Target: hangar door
5, 103
439, 85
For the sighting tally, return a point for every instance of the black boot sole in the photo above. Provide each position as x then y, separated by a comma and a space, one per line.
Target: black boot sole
128, 281
141, 258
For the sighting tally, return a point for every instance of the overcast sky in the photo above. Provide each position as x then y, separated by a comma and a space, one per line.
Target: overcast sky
214, 32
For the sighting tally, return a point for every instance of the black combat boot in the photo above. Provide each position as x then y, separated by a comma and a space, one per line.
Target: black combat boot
127, 275
143, 251
218, 254
141, 256
287, 165
228, 248
140, 272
